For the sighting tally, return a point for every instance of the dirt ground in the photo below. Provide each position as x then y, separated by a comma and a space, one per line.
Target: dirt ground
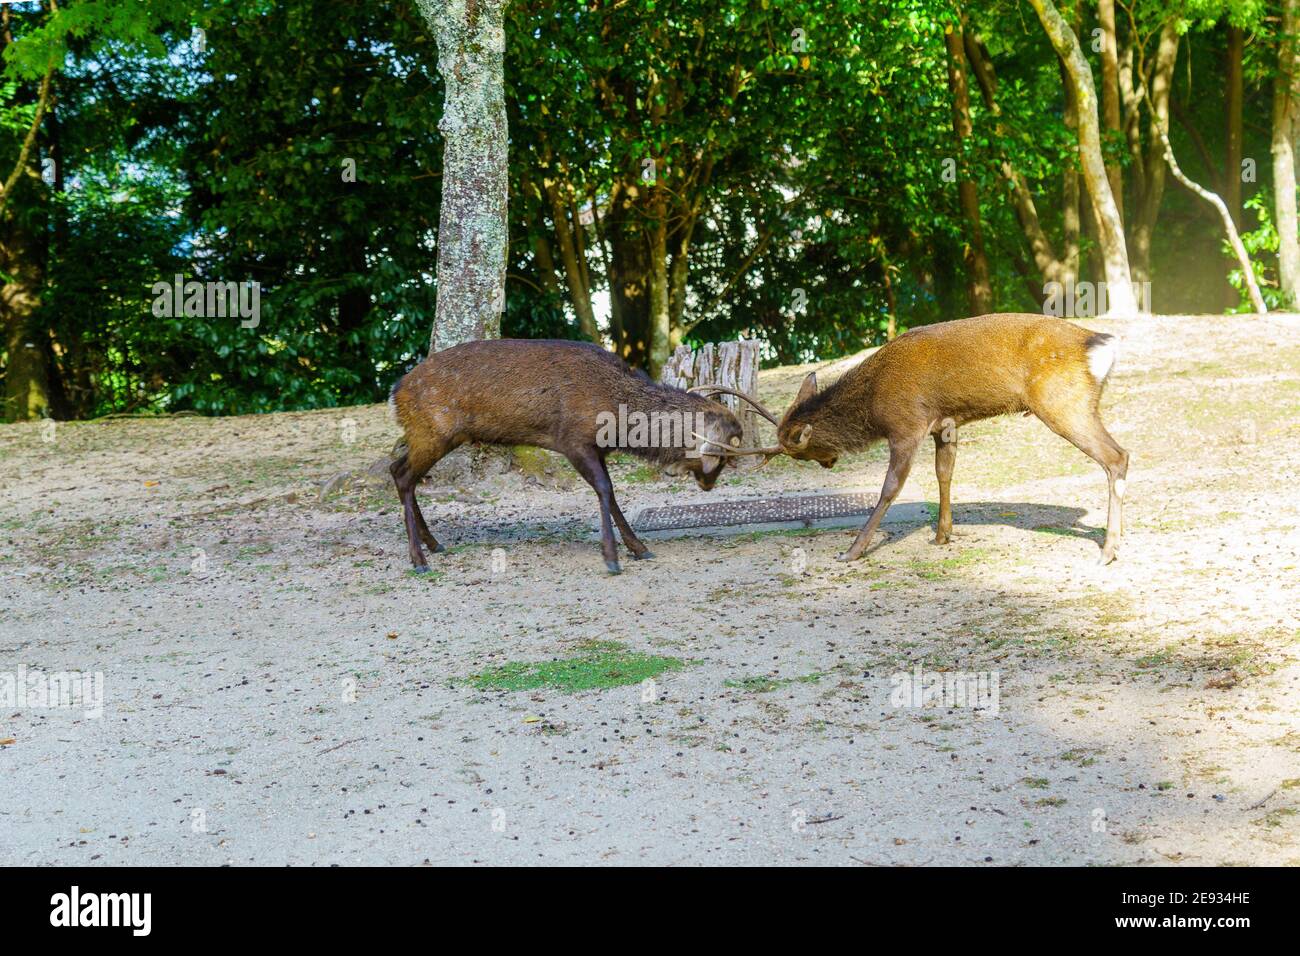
278, 689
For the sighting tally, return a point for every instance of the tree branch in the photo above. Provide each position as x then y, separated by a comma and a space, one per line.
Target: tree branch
1234, 239
42, 102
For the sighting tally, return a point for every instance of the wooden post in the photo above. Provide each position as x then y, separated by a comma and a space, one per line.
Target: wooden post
734, 364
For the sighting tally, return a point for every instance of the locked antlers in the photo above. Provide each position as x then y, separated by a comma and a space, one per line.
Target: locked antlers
769, 452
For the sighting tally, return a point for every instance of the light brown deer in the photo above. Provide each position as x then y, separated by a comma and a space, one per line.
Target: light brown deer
936, 378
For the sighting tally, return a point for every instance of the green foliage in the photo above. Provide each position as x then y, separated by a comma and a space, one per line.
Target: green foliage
602, 665
299, 99
812, 139
1262, 239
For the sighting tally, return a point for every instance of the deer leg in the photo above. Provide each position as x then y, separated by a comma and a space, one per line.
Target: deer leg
1086, 432
421, 526
588, 464
406, 492
900, 462
634, 544
945, 457
407, 472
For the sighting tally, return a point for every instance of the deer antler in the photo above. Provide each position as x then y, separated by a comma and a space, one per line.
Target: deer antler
731, 452
758, 406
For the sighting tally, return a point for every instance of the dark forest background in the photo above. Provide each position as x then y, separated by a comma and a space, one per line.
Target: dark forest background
832, 173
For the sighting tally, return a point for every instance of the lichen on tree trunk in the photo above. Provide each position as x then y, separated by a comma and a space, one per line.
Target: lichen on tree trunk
660, 326
472, 226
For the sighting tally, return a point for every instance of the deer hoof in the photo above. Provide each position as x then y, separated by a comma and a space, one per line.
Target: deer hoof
644, 555
613, 567
420, 569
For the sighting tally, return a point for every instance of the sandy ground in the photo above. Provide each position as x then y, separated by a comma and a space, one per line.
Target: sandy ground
277, 689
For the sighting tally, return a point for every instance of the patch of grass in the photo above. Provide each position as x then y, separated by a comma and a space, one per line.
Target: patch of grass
1102, 610
1244, 654
756, 685
642, 474
1081, 757
935, 570
762, 684
466, 547
1036, 783
1275, 818
780, 533
1156, 658
601, 666
1050, 802
1166, 525
428, 577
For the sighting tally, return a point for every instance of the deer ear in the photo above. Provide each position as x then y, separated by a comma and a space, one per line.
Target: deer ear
808, 389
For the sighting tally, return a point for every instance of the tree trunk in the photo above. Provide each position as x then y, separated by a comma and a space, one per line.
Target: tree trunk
22, 262
602, 244
1286, 103
628, 270
27, 388
1049, 266
979, 288
1148, 207
1070, 193
891, 298
660, 322
1110, 110
472, 228
1119, 286
535, 206
1131, 101
1232, 139
1234, 239
679, 238
574, 273
733, 364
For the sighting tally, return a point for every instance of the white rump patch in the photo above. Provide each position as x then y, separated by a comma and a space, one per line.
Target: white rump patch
1101, 359
392, 407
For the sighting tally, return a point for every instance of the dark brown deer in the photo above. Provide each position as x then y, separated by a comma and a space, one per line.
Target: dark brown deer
935, 378
573, 398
